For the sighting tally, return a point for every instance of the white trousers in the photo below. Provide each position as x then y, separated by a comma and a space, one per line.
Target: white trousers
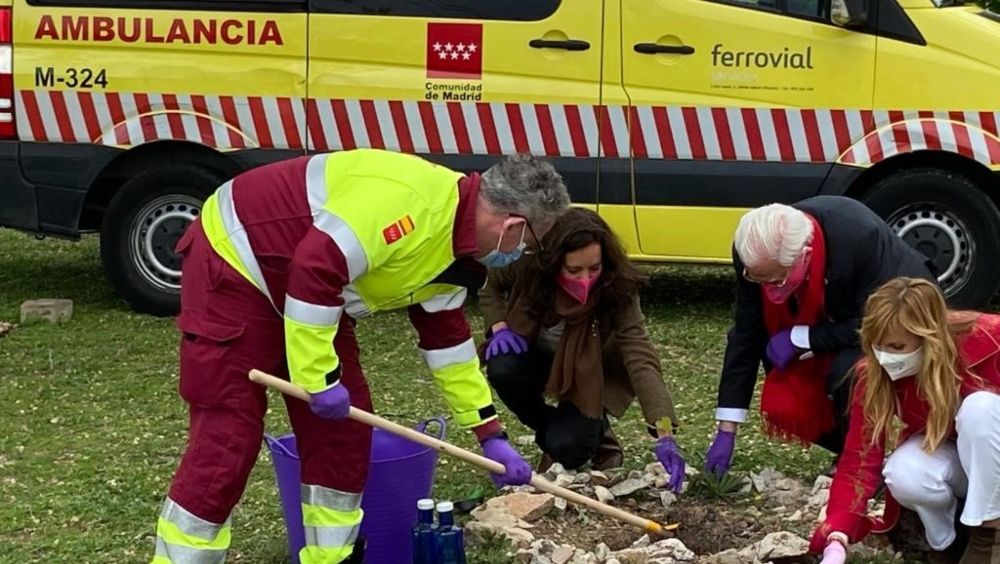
969, 468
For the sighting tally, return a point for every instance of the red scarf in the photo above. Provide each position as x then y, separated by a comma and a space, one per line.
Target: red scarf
794, 405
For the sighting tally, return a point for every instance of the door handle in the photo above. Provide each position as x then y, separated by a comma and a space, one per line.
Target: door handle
568, 44
653, 48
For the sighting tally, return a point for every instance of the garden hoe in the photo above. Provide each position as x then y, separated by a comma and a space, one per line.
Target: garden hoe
540, 483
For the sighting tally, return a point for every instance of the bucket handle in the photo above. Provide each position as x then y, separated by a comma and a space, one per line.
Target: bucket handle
422, 426
275, 444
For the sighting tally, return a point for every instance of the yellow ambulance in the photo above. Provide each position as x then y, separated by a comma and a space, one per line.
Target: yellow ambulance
669, 117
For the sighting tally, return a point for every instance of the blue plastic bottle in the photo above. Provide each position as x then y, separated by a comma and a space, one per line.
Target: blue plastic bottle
424, 551
448, 537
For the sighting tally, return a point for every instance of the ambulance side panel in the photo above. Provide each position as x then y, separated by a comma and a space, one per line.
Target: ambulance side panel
460, 82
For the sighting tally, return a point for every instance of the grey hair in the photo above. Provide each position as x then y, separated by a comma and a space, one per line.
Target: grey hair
525, 185
775, 232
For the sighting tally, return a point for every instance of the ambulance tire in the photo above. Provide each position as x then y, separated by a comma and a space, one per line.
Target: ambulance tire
144, 221
950, 219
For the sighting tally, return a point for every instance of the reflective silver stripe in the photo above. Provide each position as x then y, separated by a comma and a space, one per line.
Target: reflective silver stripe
331, 537
439, 358
316, 183
330, 498
353, 304
312, 314
346, 240
189, 523
236, 233
177, 554
445, 302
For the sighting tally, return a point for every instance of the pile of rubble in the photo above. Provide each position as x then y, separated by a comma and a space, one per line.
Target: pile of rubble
517, 514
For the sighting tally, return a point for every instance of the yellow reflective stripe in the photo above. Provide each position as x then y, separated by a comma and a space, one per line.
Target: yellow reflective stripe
316, 182
190, 525
238, 236
211, 219
445, 302
310, 352
329, 497
437, 359
311, 314
318, 555
465, 389
175, 554
344, 237
318, 516
173, 535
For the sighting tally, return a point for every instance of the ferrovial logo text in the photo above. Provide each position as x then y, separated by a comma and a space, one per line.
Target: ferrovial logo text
785, 59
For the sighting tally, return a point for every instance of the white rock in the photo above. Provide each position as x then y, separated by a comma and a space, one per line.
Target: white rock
603, 494
529, 507
667, 499
731, 556
641, 542
629, 486
782, 544
560, 504
822, 482
671, 549
52, 310
747, 486
612, 561
563, 480
562, 554
795, 517
519, 538
635, 474
581, 478
599, 478
691, 471
583, 557
602, 551
554, 471
655, 468
525, 440
661, 481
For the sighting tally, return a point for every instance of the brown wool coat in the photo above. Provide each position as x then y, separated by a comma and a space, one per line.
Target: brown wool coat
631, 367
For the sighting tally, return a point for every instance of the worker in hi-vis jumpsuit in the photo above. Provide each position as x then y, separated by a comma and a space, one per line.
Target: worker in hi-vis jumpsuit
276, 269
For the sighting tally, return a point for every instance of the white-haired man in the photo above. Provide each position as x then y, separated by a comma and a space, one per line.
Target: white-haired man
804, 272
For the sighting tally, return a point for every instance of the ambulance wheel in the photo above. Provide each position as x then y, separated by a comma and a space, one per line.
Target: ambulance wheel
145, 219
950, 220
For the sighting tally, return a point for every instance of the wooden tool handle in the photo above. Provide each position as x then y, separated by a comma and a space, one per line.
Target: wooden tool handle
539, 482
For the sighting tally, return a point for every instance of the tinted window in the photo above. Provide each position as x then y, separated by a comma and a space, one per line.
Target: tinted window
522, 10
811, 9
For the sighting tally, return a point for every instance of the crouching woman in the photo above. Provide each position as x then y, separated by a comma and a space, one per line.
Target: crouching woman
566, 345
937, 372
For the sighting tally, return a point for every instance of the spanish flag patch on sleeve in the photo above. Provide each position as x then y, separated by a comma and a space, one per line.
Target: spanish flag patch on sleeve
401, 228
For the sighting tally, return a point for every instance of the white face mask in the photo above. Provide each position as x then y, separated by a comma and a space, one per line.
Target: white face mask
901, 365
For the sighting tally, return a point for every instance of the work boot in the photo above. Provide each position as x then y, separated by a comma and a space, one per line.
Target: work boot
983, 548
609, 453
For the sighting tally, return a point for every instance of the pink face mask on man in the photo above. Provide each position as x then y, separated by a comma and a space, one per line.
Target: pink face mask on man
779, 294
579, 289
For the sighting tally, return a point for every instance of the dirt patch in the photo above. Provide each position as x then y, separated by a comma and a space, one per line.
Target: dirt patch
706, 526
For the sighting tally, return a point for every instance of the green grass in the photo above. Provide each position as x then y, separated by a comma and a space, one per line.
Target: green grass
91, 426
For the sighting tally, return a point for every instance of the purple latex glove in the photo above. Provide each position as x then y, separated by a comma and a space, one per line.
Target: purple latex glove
720, 454
673, 462
780, 349
518, 470
835, 553
505, 341
334, 403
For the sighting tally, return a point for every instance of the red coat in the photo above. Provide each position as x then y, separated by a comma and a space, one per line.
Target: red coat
859, 471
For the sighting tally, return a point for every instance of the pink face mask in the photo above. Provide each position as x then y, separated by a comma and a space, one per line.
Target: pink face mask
578, 289
780, 294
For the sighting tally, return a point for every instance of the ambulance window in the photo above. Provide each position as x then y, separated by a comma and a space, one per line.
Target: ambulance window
520, 10
809, 9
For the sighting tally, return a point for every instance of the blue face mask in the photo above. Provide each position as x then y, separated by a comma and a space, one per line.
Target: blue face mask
498, 259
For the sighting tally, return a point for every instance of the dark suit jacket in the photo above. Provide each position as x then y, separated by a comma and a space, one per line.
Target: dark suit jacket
862, 253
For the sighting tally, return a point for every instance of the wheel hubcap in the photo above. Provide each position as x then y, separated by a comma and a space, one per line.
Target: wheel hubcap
154, 234
942, 237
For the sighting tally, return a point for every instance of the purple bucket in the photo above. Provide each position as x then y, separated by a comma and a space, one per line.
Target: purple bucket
401, 472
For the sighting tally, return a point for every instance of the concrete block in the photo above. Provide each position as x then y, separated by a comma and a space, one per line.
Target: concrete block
55, 311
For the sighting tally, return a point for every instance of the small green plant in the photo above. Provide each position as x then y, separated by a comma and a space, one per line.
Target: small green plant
712, 486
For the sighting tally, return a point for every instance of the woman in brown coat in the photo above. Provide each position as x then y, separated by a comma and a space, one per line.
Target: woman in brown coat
566, 345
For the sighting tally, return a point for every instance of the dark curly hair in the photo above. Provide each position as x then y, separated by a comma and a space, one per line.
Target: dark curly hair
575, 229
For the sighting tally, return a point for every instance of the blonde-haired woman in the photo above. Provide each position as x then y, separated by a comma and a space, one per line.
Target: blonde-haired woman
939, 373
